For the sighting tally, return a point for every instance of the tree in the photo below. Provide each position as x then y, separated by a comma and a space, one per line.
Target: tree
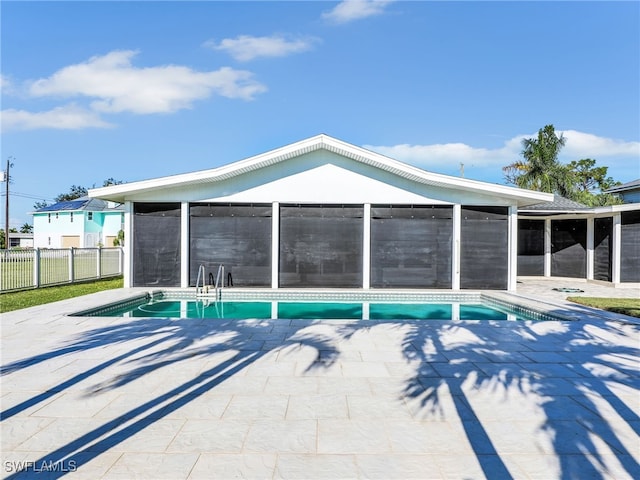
110, 181
590, 182
540, 170
76, 191
119, 240
40, 204
26, 228
3, 238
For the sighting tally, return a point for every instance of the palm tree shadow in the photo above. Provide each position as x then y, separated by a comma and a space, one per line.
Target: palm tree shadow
439, 377
449, 359
583, 416
171, 342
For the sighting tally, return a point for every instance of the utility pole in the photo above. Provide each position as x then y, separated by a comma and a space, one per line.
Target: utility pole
6, 204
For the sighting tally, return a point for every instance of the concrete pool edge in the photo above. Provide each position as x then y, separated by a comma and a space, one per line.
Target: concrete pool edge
564, 310
528, 305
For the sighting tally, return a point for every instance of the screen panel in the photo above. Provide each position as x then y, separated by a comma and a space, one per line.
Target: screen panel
484, 247
530, 247
569, 248
237, 236
602, 234
411, 246
630, 247
321, 246
156, 244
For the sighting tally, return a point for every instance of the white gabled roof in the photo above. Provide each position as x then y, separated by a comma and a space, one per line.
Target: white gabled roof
119, 193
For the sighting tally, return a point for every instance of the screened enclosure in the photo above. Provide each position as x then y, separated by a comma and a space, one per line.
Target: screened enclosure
321, 245
237, 236
530, 247
630, 246
569, 248
484, 247
602, 234
156, 243
411, 246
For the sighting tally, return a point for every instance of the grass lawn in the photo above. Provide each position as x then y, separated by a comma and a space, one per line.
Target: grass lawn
626, 306
29, 298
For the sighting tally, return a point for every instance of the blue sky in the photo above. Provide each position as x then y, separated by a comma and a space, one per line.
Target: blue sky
137, 90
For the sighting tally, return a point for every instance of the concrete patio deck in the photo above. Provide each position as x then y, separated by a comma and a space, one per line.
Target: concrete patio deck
123, 398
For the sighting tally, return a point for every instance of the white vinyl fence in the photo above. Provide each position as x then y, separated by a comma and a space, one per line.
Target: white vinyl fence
33, 268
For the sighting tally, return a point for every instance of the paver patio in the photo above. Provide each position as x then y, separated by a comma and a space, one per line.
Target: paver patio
185, 399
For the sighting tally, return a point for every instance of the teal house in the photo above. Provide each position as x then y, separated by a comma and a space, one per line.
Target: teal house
81, 223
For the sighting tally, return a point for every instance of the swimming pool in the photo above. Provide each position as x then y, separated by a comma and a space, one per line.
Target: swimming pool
317, 306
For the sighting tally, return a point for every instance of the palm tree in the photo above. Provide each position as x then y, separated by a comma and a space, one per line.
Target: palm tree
540, 169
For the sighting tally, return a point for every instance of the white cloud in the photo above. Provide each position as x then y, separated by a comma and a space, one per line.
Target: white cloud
118, 86
450, 155
351, 10
5, 84
68, 117
586, 145
445, 155
245, 47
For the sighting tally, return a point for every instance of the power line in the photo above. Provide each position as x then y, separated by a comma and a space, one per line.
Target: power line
27, 195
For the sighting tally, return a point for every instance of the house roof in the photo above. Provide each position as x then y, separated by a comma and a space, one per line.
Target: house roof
120, 193
632, 185
82, 203
559, 204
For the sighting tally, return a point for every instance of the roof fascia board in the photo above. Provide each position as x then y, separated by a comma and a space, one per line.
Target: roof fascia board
568, 214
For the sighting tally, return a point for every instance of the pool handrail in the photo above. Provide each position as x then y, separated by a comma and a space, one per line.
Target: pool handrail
218, 286
200, 275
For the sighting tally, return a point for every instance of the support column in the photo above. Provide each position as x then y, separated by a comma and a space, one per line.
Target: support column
275, 244
590, 247
184, 245
455, 238
128, 241
616, 244
512, 280
547, 247
366, 247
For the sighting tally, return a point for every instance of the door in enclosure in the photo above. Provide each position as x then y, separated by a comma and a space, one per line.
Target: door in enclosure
630, 247
321, 246
411, 246
602, 235
156, 244
530, 247
484, 247
569, 248
237, 236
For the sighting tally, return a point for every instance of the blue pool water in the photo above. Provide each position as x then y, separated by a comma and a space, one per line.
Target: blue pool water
284, 309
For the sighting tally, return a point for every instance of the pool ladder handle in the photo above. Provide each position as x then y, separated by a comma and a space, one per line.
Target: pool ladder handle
219, 281
204, 289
